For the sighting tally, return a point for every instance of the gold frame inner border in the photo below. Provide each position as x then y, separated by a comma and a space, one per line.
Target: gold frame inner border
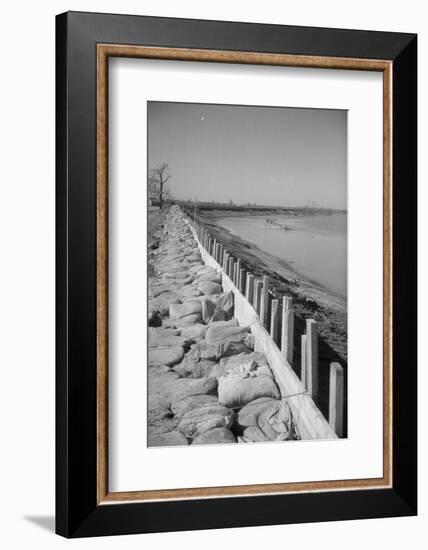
104, 52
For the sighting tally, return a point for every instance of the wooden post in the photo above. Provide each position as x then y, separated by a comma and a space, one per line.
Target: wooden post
249, 290
242, 280
262, 314
225, 260
287, 329
312, 358
258, 296
303, 368
238, 273
214, 248
264, 301
220, 254
274, 321
234, 275
335, 409
255, 293
231, 267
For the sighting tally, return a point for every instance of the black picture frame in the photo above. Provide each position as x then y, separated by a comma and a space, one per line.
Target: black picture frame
77, 511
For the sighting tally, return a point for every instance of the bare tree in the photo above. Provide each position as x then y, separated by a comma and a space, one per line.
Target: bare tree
157, 181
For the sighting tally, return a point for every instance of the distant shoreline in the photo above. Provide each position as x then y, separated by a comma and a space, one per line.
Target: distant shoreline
224, 209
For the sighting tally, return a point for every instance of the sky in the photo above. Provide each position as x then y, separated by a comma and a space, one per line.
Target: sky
264, 155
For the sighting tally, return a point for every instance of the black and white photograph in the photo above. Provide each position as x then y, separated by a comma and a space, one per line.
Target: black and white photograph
247, 256
212, 265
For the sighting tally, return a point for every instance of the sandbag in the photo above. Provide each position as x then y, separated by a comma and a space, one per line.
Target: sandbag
190, 369
227, 303
214, 352
220, 334
269, 414
162, 426
235, 392
270, 432
162, 303
227, 349
157, 290
165, 356
246, 364
218, 435
161, 331
187, 291
191, 298
208, 309
218, 370
218, 315
181, 281
157, 407
230, 323
188, 320
180, 407
168, 439
196, 268
161, 341
257, 356
213, 276
184, 387
203, 269
198, 421
177, 311
254, 434
173, 274
211, 311
162, 384
208, 288
194, 331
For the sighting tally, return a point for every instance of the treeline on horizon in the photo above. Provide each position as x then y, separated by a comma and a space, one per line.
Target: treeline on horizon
230, 206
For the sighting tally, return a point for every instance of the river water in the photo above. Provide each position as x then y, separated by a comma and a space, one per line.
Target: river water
315, 246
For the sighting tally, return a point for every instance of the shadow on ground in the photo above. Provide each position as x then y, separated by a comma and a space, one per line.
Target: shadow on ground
44, 522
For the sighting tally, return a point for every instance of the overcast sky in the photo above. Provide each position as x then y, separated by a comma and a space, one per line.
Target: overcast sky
264, 155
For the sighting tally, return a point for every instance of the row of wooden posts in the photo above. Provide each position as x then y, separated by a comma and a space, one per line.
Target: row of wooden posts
280, 324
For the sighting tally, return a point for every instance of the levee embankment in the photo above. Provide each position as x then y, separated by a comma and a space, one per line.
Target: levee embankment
215, 375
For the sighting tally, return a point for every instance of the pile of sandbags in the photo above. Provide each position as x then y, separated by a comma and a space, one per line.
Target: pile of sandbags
206, 385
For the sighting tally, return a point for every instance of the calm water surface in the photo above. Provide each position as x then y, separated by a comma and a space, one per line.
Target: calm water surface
316, 246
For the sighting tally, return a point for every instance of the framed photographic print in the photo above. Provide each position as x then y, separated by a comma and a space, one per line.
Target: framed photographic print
236, 274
